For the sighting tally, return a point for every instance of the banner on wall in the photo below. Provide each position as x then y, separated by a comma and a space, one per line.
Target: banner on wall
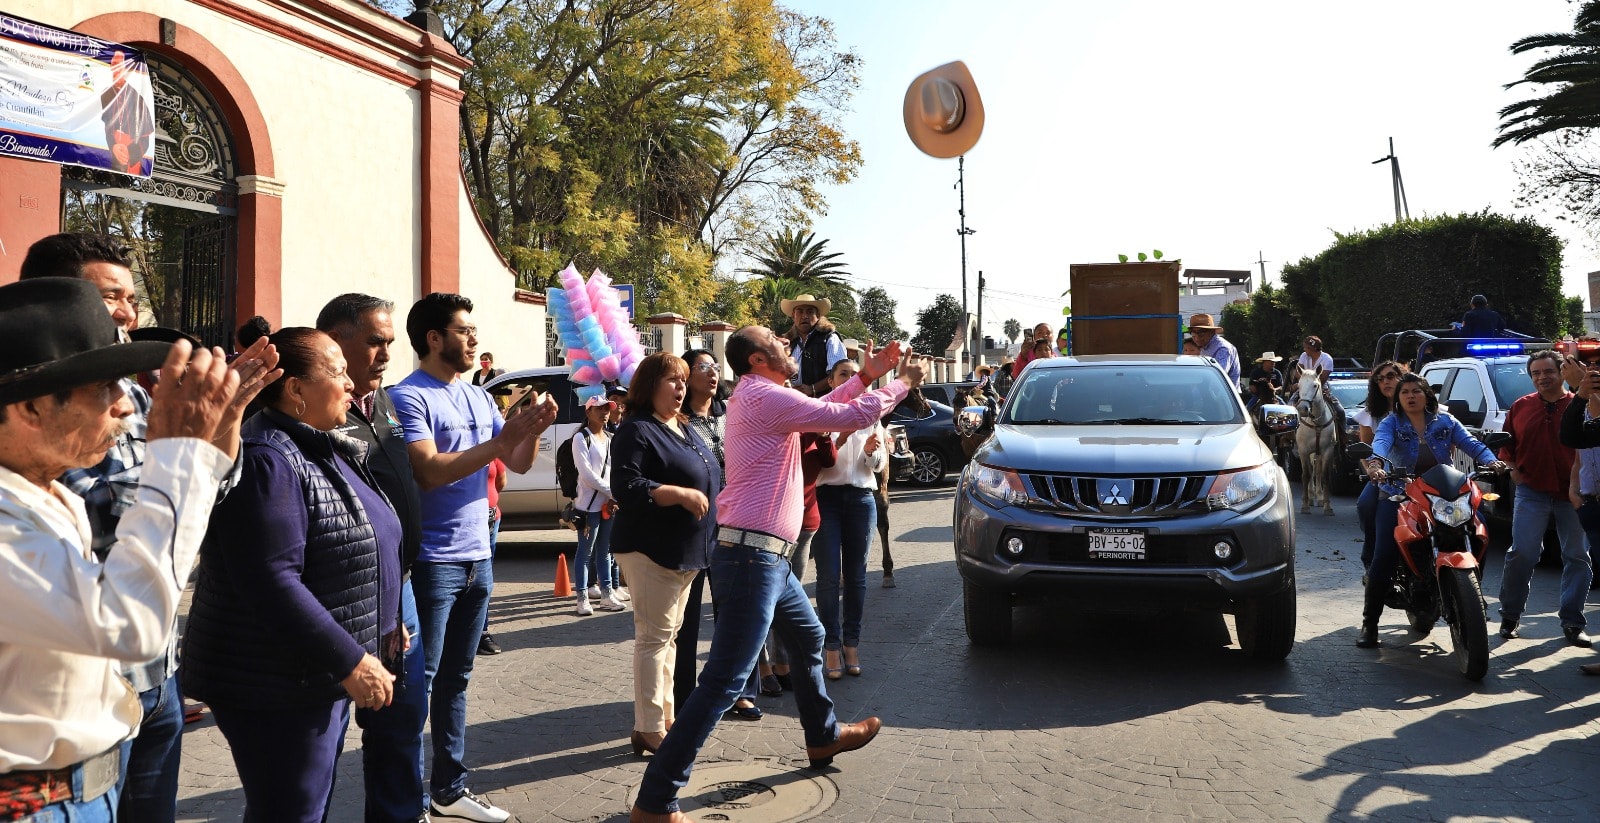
69, 98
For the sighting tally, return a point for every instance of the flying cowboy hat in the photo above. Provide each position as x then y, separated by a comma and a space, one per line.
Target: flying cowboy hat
823, 304
56, 335
943, 112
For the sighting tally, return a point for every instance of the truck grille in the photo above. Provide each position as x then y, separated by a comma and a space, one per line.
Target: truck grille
1186, 550
1123, 496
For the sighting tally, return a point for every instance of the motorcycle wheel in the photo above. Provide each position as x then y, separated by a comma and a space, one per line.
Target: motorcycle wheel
1468, 630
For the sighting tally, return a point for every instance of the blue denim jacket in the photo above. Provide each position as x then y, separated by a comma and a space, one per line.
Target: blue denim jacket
1397, 440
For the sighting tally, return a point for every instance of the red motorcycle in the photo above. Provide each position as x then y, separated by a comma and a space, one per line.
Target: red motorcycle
1442, 540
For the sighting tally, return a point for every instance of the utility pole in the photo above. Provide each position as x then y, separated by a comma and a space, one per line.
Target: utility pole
961, 186
1399, 185
978, 357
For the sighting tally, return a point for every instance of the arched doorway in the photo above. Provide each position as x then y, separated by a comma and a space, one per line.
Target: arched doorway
182, 222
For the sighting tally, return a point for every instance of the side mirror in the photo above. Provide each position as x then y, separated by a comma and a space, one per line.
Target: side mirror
972, 419
1358, 451
1495, 440
1279, 418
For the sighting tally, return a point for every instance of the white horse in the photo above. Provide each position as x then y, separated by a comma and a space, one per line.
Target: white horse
1316, 441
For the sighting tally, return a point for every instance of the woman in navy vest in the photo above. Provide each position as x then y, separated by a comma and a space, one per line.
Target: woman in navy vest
299, 577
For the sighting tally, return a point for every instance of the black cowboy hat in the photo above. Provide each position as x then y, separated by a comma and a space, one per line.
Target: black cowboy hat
56, 335
162, 334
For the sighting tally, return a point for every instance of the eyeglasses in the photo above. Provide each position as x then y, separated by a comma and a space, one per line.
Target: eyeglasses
464, 331
707, 367
1389, 376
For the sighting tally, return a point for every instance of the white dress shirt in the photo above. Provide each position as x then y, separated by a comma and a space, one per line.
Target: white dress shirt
855, 467
69, 622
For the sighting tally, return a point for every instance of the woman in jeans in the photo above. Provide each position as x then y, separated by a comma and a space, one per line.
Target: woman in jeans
665, 480
1380, 399
591, 454
849, 517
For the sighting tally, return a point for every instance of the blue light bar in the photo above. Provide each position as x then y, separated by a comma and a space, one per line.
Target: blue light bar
1494, 348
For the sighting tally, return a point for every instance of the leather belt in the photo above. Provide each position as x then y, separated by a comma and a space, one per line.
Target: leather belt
24, 793
760, 541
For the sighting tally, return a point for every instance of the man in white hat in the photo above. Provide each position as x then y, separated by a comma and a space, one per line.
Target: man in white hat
71, 621
1208, 336
813, 343
1267, 369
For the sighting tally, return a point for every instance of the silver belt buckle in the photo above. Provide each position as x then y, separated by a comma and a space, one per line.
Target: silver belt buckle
100, 773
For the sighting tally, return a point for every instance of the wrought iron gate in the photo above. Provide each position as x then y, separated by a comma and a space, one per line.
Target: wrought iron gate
206, 296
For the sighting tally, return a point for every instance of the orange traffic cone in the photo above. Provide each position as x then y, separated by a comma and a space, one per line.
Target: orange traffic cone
563, 582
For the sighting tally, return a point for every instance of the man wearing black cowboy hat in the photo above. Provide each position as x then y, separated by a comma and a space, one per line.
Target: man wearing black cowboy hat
149, 791
813, 343
66, 709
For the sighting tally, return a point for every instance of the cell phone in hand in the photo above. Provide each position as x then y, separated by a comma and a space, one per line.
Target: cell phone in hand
528, 398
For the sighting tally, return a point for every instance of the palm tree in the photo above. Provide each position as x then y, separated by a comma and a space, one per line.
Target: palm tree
1013, 329
799, 257
1573, 74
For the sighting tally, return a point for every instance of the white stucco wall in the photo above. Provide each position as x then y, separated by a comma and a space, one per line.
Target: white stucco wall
347, 150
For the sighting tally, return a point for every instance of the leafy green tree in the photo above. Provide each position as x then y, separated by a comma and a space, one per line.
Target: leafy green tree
1572, 317
936, 325
1571, 77
645, 137
1263, 324
877, 310
1420, 274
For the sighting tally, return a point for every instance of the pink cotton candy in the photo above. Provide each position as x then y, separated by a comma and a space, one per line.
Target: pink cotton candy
586, 374
610, 367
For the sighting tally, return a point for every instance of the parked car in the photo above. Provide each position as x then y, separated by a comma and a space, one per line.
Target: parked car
536, 494
1127, 482
1351, 392
946, 393
931, 432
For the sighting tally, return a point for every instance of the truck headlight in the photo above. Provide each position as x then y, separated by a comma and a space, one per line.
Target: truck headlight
1242, 489
1451, 512
1001, 487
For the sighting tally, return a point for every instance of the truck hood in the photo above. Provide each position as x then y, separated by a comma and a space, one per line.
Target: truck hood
1103, 450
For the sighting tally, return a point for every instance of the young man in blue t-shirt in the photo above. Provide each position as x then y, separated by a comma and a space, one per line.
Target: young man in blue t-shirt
453, 430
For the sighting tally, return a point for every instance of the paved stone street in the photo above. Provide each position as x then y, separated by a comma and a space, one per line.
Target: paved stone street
1099, 718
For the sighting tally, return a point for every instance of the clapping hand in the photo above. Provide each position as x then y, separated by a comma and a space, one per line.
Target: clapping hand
878, 362
192, 397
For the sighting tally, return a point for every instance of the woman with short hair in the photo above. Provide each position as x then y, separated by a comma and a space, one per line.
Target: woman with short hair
665, 479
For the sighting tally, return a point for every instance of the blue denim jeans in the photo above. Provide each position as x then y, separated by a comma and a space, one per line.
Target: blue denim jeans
776, 653
1589, 518
1385, 558
452, 603
1367, 514
391, 737
287, 758
594, 555
102, 809
149, 783
1533, 514
849, 520
754, 591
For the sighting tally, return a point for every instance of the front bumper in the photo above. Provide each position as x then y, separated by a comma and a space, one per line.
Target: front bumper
1180, 569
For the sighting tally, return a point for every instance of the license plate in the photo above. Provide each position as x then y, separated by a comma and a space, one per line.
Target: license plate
1116, 544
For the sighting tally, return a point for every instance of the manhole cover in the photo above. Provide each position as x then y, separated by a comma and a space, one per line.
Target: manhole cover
755, 791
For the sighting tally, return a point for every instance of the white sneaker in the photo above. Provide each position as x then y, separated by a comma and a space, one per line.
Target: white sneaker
594, 593
471, 807
621, 594
583, 606
609, 603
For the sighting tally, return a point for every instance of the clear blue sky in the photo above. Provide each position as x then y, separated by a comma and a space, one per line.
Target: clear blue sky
1212, 131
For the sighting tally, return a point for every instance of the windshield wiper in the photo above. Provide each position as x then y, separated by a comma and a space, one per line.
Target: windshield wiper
1146, 421
1048, 420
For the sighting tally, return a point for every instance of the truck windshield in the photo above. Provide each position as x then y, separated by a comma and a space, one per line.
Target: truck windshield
1510, 381
1146, 394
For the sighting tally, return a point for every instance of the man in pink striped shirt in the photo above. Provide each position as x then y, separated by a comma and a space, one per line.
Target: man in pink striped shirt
759, 513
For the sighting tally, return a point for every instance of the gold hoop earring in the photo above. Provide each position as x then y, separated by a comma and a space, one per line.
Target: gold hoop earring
300, 410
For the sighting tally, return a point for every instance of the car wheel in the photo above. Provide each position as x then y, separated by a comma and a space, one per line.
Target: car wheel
928, 467
1266, 624
988, 615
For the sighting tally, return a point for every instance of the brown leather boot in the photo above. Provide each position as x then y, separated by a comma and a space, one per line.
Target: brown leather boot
638, 815
852, 736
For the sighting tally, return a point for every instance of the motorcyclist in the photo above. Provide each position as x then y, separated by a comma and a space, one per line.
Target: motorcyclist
1396, 438
1380, 400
